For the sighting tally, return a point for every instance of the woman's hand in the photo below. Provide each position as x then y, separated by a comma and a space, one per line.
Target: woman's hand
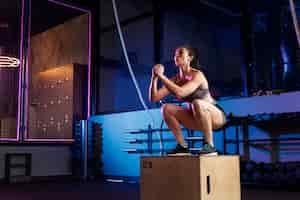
158, 69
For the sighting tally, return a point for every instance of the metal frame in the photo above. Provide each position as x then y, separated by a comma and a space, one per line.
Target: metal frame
20, 78
26, 137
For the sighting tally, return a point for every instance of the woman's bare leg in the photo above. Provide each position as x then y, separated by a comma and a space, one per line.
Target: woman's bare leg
203, 116
174, 116
207, 117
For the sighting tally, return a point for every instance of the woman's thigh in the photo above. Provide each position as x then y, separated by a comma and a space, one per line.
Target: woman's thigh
183, 115
216, 115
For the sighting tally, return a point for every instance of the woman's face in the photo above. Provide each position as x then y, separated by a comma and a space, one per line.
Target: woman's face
181, 57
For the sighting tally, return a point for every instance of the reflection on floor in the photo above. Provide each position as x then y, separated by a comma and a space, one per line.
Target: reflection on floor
100, 190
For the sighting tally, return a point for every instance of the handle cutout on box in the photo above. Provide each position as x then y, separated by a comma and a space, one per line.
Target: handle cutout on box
208, 184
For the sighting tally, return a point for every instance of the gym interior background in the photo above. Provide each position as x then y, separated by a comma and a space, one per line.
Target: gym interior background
70, 110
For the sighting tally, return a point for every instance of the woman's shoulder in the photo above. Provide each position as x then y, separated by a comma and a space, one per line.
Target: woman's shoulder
197, 71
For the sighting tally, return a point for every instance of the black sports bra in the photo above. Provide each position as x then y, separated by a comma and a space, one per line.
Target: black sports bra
199, 93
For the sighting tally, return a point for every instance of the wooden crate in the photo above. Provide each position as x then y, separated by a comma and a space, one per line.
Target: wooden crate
190, 178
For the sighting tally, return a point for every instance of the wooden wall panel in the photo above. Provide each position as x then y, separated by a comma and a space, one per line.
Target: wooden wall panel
55, 82
57, 102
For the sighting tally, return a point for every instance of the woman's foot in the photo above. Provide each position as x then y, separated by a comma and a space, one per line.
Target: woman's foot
179, 151
208, 150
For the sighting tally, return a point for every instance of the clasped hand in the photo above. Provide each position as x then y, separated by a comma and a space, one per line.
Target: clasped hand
158, 70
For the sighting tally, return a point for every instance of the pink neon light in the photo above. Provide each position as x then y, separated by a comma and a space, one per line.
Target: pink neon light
8, 140
49, 140
26, 74
20, 77
89, 67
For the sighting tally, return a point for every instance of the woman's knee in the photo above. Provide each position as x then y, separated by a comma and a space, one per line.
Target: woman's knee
167, 109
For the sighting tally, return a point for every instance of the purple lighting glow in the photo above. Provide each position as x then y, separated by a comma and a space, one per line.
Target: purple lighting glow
21, 64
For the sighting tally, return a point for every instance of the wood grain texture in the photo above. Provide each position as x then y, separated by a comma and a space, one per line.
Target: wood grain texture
57, 86
57, 102
185, 177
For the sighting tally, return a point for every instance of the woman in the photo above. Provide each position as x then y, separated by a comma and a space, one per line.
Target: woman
189, 85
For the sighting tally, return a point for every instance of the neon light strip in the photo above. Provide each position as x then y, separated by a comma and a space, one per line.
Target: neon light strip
8, 139
70, 6
22, 66
26, 74
6, 61
26, 138
20, 77
89, 68
49, 140
220, 8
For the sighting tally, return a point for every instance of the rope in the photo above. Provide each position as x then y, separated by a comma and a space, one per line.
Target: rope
130, 69
294, 16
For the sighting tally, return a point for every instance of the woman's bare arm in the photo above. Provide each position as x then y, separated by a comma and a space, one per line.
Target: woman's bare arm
156, 94
184, 90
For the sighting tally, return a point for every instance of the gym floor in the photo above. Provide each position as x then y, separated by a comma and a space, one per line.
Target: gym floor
100, 190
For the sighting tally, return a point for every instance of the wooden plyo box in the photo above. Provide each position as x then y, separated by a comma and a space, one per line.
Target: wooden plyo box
190, 178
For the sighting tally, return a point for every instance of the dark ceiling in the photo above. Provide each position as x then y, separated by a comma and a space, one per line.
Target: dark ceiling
47, 14
44, 15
